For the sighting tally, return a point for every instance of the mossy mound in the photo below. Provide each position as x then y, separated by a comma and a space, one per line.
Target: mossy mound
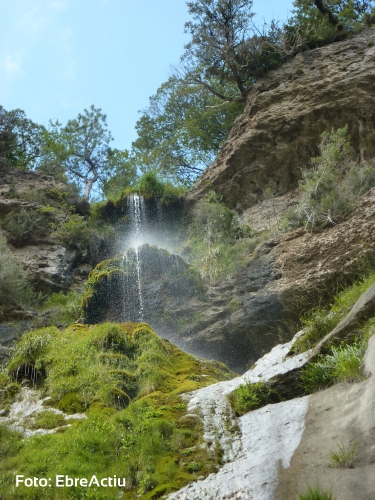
129, 381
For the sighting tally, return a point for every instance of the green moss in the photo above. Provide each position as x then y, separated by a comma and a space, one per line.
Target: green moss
250, 396
70, 403
47, 420
148, 439
8, 390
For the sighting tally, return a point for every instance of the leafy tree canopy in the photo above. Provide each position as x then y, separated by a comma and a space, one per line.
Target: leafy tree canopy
20, 139
81, 149
226, 45
324, 21
182, 130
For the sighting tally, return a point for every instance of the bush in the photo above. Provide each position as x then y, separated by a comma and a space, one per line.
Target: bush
63, 308
14, 289
28, 354
215, 250
75, 231
330, 188
20, 225
150, 186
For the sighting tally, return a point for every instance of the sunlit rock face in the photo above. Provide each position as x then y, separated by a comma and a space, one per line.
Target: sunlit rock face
285, 114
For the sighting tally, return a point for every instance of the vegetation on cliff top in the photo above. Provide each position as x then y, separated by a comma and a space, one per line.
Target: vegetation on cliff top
129, 382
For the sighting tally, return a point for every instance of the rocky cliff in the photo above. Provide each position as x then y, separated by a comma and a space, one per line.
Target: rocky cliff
285, 114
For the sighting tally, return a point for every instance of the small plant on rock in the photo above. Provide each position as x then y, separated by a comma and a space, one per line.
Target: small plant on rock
316, 493
344, 455
248, 397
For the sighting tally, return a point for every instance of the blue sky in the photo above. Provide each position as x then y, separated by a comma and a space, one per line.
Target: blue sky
57, 57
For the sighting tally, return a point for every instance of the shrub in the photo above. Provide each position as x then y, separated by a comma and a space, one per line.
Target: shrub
28, 354
216, 240
330, 188
63, 308
75, 231
150, 186
14, 289
19, 225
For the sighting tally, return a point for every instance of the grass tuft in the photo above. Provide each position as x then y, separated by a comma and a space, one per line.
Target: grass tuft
344, 456
316, 493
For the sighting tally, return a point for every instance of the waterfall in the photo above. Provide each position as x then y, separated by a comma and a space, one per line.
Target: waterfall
133, 303
138, 267
137, 220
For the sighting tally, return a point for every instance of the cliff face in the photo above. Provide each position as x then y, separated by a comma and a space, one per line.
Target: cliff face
285, 114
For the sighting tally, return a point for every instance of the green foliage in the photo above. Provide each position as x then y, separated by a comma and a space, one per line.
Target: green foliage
225, 45
150, 186
344, 455
316, 493
182, 130
123, 174
8, 390
81, 151
216, 241
75, 231
28, 353
20, 139
20, 225
251, 396
152, 442
348, 17
342, 364
14, 288
63, 308
330, 188
47, 420
323, 319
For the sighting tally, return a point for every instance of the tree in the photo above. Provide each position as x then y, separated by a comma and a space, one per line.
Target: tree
81, 148
20, 139
226, 45
123, 173
328, 20
182, 130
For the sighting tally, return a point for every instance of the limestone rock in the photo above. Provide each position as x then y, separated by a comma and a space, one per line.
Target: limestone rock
285, 114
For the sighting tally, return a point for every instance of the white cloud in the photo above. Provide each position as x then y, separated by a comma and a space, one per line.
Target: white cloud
10, 66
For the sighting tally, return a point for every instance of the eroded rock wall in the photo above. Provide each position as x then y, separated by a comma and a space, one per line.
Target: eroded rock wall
285, 114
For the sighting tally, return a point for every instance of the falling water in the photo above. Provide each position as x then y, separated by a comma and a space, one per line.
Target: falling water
138, 221
138, 266
146, 224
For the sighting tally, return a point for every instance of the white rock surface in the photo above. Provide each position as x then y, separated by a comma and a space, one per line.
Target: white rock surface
253, 445
28, 404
